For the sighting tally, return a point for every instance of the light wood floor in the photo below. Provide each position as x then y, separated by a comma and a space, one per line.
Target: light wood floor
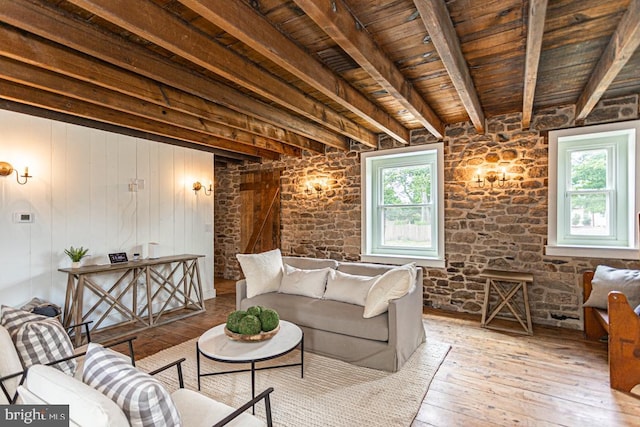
489, 378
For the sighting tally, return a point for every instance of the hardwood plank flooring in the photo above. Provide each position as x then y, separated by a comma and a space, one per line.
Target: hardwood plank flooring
489, 378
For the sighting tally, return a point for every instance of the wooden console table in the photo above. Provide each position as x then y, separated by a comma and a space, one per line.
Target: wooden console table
506, 285
166, 280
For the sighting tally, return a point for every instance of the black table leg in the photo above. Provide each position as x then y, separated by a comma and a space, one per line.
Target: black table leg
198, 362
253, 384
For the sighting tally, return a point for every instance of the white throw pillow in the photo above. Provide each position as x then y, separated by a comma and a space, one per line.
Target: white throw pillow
607, 279
393, 284
263, 271
349, 288
309, 283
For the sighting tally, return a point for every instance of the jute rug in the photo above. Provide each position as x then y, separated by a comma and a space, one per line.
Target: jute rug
332, 392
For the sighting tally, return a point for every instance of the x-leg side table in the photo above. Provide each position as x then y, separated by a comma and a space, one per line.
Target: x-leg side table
506, 285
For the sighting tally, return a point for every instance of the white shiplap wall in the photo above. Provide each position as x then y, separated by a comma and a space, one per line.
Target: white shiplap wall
79, 195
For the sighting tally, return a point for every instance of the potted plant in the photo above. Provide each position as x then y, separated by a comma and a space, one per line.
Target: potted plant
76, 254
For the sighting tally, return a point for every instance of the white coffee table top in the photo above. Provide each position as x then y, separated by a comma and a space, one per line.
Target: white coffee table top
217, 345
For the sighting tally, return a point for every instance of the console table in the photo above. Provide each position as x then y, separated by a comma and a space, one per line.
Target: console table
172, 282
506, 285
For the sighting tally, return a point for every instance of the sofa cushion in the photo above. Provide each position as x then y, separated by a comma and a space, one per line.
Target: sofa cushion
327, 315
262, 271
364, 269
607, 279
142, 398
198, 410
9, 364
309, 263
310, 283
87, 406
39, 339
349, 288
393, 284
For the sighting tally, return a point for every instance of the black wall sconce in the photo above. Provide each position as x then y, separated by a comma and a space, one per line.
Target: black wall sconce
491, 177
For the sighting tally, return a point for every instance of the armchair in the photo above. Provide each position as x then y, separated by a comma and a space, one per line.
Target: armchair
90, 407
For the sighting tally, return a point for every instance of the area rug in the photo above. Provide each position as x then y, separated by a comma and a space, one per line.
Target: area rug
332, 392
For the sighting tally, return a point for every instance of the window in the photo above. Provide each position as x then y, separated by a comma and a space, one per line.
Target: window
593, 197
403, 205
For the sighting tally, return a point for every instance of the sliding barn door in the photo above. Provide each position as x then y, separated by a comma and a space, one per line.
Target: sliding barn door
260, 211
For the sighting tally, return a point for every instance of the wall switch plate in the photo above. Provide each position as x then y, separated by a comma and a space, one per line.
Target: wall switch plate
22, 217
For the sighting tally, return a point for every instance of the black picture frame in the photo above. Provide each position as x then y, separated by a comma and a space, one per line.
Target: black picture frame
118, 257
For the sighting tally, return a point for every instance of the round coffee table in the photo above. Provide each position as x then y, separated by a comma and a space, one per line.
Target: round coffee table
216, 345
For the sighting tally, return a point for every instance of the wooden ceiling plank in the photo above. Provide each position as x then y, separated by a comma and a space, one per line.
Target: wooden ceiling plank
24, 48
335, 19
34, 77
51, 101
83, 37
535, 31
435, 16
623, 44
150, 22
247, 25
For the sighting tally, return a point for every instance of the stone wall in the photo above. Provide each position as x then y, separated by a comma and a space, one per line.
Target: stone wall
502, 227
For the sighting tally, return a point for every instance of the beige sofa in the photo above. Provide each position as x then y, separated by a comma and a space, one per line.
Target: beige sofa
338, 329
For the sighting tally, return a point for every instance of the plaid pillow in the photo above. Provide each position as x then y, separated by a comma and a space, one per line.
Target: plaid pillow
38, 339
141, 397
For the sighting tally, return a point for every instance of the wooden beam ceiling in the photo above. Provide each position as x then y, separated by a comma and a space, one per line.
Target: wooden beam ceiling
150, 22
138, 95
335, 19
85, 38
436, 18
244, 23
622, 45
535, 31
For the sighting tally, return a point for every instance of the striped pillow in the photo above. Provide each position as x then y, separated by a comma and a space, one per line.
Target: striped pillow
141, 397
38, 339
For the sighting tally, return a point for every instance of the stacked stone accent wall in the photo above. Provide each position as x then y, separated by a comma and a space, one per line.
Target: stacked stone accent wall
503, 227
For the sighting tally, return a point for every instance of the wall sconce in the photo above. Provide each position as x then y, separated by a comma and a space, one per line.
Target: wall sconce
197, 186
316, 186
491, 177
6, 169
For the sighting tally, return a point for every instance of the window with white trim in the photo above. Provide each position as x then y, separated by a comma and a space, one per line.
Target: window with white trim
403, 205
593, 196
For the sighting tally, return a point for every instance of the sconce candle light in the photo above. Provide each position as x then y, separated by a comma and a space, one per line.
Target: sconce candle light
492, 177
197, 186
6, 169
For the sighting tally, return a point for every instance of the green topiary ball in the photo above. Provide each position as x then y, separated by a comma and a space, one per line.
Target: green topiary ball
233, 320
269, 319
255, 310
250, 325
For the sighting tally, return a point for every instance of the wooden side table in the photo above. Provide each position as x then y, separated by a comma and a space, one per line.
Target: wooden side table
506, 285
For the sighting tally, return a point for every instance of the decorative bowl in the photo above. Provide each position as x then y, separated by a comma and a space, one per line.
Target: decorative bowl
262, 336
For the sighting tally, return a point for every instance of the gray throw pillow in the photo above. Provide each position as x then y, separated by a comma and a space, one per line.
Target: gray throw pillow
607, 279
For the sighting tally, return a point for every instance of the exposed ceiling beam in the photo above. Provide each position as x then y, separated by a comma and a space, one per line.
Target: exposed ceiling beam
535, 31
64, 85
336, 20
436, 18
150, 22
247, 25
623, 43
83, 37
221, 155
169, 105
43, 99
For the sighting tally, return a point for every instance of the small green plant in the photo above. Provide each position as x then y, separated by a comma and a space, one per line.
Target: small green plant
76, 254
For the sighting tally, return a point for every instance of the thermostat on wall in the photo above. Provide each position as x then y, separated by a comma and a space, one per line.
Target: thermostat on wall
22, 217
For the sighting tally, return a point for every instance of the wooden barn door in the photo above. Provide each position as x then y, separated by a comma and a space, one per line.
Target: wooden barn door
260, 211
